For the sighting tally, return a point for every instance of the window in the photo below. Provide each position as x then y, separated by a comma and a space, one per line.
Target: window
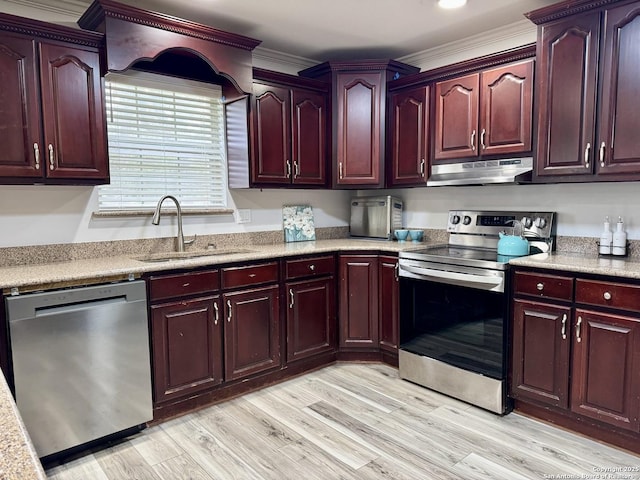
165, 136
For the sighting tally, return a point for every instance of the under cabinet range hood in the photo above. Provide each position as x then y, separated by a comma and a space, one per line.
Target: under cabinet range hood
481, 172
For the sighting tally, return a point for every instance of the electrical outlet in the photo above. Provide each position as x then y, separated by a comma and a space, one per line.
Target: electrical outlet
243, 215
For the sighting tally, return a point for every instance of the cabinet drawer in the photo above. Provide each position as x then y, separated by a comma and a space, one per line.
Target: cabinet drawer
608, 294
306, 267
184, 284
233, 277
543, 285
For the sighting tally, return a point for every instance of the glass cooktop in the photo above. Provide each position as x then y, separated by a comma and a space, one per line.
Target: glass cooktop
458, 255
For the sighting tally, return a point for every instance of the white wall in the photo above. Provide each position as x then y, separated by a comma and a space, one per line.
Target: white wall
40, 215
581, 208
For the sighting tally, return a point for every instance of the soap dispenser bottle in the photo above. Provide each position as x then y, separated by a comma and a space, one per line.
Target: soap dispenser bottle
606, 238
619, 239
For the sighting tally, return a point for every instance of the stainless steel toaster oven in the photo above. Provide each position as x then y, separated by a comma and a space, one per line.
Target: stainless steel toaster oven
375, 217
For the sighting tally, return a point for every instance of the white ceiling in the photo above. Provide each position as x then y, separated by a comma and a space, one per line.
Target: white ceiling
324, 29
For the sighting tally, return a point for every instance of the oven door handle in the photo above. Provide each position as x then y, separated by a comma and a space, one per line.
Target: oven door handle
460, 277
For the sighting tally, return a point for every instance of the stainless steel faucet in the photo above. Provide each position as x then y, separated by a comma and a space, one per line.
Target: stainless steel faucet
180, 241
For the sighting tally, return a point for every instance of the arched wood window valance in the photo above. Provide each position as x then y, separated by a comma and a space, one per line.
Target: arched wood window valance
135, 36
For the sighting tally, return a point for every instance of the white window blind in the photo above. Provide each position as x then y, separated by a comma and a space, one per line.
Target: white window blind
165, 136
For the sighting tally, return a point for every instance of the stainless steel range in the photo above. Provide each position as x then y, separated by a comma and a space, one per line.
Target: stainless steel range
454, 313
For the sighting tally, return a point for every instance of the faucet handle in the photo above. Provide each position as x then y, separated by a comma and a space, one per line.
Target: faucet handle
190, 241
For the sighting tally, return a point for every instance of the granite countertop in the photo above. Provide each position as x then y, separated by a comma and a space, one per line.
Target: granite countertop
96, 270
18, 460
581, 263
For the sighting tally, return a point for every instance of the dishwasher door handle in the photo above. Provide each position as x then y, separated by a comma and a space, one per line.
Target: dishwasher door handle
59, 310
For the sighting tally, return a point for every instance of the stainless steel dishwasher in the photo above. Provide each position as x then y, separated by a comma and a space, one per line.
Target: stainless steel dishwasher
81, 363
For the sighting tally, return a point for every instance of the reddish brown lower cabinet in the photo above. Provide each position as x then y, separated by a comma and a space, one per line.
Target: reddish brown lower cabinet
541, 345
311, 318
576, 353
359, 302
187, 347
251, 331
389, 298
606, 362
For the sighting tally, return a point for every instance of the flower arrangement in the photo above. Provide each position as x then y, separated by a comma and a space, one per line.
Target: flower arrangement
298, 223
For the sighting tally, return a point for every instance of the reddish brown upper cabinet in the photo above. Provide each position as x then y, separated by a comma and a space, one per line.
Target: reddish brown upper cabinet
587, 85
359, 118
486, 113
409, 132
52, 123
289, 130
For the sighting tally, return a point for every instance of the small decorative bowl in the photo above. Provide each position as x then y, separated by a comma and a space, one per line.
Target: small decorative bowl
416, 235
401, 235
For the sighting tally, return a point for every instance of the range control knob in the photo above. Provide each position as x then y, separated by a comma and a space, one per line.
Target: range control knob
540, 222
527, 222
455, 219
466, 220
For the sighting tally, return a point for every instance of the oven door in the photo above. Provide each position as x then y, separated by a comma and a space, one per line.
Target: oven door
453, 333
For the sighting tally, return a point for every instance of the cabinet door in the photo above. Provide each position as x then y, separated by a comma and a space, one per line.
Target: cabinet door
567, 73
456, 117
507, 108
311, 318
359, 302
187, 347
620, 99
75, 144
271, 155
388, 295
22, 152
309, 137
409, 131
541, 343
606, 362
359, 110
252, 332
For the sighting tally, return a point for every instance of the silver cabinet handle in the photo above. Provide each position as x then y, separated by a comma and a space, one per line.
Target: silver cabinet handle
484, 132
296, 169
587, 154
292, 298
540, 286
578, 338
229, 311
217, 313
51, 159
473, 140
312, 267
422, 168
340, 169
36, 154
607, 296
564, 326
396, 271
603, 149
288, 169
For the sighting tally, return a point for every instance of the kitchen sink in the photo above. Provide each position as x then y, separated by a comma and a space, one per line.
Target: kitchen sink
173, 256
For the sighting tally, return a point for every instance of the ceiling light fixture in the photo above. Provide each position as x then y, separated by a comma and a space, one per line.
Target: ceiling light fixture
451, 3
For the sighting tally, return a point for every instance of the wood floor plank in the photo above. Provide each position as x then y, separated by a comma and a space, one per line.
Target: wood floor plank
155, 446
207, 450
181, 467
314, 463
340, 447
475, 467
124, 461
83, 468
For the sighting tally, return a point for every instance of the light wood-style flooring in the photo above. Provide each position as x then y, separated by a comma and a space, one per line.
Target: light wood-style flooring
351, 421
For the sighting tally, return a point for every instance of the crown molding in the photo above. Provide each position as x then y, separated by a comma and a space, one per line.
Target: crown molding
516, 34
71, 8
280, 61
